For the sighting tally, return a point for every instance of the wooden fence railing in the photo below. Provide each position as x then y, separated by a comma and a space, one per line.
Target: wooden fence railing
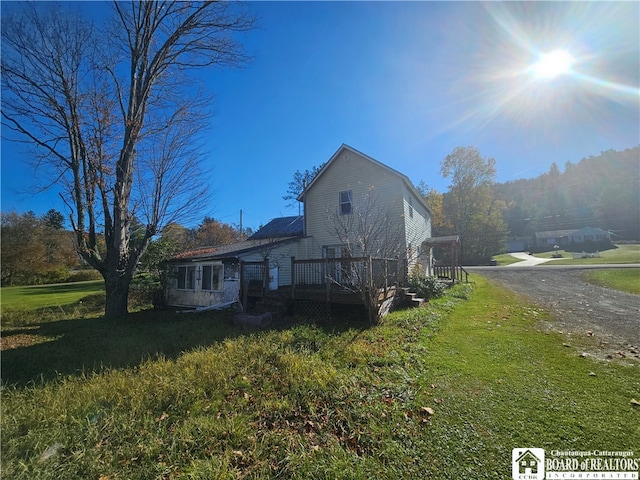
454, 273
347, 274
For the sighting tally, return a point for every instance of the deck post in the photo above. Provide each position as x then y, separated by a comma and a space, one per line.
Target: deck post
386, 276
265, 277
244, 286
293, 278
327, 279
453, 264
372, 296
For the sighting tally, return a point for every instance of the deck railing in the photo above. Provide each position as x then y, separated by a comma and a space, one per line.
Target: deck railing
348, 280
454, 273
346, 274
254, 279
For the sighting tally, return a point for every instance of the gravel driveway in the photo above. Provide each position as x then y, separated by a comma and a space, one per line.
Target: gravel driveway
578, 308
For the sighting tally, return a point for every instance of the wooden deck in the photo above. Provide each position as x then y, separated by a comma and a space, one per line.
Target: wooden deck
340, 281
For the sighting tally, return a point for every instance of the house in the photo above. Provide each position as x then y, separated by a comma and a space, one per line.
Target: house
357, 205
360, 215
568, 238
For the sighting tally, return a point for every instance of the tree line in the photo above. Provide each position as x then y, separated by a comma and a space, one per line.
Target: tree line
35, 250
599, 191
38, 250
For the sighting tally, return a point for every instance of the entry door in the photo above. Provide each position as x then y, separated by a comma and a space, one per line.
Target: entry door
273, 278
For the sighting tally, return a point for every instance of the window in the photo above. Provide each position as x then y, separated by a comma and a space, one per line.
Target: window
345, 202
332, 251
410, 207
340, 272
212, 276
186, 278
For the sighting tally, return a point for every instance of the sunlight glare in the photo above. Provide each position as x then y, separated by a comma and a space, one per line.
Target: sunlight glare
553, 64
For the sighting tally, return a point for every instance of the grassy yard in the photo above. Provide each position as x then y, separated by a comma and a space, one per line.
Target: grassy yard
620, 254
624, 279
506, 259
33, 297
440, 392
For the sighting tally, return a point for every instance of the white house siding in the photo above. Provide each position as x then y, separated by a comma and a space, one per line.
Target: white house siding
349, 171
279, 256
417, 227
589, 234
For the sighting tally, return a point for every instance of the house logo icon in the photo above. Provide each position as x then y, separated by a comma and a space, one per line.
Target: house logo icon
527, 463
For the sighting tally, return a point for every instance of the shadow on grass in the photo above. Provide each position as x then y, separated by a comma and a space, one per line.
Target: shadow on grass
59, 288
91, 345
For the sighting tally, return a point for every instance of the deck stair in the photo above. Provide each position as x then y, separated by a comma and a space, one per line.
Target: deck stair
411, 299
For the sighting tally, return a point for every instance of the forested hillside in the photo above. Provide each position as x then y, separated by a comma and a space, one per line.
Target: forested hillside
599, 191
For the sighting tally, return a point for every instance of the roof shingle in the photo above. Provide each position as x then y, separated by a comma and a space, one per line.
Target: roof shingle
280, 227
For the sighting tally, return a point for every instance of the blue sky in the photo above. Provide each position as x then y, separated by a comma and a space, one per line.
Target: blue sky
405, 82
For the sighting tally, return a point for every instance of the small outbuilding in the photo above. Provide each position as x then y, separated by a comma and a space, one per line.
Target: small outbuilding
210, 276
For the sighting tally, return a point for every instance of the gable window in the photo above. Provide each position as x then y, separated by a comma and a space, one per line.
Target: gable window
410, 207
212, 276
346, 203
186, 278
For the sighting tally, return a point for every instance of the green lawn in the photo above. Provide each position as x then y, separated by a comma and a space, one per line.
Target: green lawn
440, 392
620, 254
33, 297
625, 279
506, 259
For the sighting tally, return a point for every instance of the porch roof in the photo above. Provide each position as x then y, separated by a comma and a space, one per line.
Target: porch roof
233, 250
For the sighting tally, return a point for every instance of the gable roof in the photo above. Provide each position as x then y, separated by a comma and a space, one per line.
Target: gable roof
345, 147
280, 227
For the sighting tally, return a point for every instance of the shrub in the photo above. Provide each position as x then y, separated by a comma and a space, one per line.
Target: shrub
425, 286
59, 275
146, 290
84, 276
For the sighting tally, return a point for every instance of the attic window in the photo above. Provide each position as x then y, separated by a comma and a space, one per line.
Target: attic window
345, 202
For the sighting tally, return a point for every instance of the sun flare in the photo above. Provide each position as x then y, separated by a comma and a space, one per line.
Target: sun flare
553, 64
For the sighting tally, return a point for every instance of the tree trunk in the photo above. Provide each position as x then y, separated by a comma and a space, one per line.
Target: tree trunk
117, 296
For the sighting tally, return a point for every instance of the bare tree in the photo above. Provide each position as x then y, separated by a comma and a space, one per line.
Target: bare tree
114, 116
371, 249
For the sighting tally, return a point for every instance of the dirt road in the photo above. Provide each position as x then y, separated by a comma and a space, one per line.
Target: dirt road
578, 308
